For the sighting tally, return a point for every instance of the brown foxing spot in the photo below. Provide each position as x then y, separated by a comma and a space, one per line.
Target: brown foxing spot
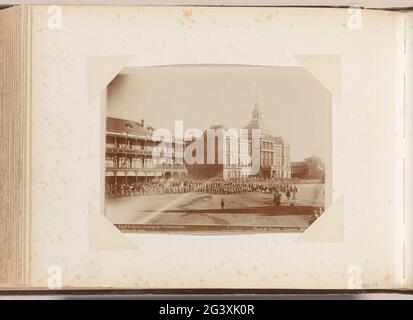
187, 13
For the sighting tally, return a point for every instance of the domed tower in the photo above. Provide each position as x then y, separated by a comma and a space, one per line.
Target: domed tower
257, 122
256, 112
266, 142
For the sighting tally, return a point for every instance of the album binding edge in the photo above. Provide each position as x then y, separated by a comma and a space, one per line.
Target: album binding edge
15, 96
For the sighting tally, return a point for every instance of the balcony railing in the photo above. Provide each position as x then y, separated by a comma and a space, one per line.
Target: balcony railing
133, 149
129, 150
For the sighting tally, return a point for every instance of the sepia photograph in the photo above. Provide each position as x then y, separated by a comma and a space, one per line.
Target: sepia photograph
216, 149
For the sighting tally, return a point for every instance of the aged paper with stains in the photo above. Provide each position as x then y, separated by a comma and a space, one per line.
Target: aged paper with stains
253, 66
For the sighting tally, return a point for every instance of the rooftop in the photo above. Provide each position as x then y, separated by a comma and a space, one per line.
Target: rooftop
116, 124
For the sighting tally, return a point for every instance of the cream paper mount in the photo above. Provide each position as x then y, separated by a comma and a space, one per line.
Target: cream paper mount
326, 69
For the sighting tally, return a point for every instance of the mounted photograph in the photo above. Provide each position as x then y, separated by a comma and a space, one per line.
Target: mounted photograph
216, 149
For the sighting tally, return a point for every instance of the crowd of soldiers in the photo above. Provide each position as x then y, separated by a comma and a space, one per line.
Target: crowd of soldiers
216, 186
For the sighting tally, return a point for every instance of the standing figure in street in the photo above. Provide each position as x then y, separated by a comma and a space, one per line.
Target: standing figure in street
277, 199
222, 203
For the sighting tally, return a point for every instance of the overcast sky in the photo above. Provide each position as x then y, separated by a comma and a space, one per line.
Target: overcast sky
294, 105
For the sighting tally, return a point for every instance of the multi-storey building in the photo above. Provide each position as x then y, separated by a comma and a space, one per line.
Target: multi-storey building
225, 155
274, 150
235, 159
129, 157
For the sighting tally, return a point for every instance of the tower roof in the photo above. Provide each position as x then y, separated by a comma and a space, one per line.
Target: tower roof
257, 122
256, 112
